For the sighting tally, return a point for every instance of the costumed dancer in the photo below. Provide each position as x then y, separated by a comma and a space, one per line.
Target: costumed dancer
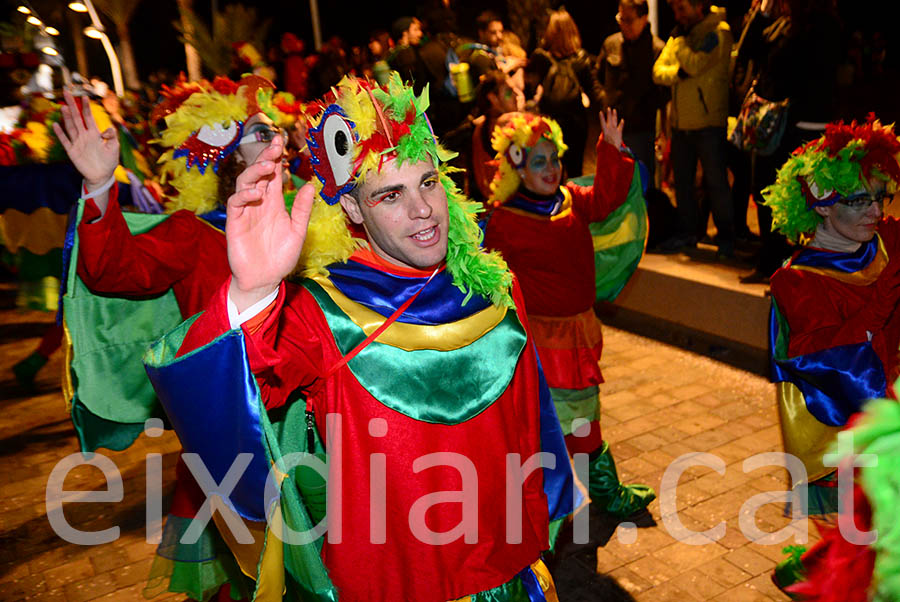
135, 276
834, 331
543, 230
410, 351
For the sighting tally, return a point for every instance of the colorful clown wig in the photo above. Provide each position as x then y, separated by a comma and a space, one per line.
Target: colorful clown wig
204, 124
514, 135
829, 169
358, 127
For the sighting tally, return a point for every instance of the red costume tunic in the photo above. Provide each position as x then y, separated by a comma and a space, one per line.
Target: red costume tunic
553, 258
293, 347
823, 311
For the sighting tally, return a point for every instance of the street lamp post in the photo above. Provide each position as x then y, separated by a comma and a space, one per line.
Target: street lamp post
97, 32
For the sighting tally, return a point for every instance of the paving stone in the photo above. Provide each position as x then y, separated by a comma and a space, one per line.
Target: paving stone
89, 589
749, 560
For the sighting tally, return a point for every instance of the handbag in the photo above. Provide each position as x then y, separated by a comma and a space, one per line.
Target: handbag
760, 125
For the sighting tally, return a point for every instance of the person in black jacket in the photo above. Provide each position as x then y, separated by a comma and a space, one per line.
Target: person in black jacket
625, 73
565, 72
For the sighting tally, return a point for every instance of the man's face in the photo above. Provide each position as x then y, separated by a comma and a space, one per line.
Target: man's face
855, 220
404, 213
542, 172
414, 33
686, 13
259, 131
493, 35
630, 23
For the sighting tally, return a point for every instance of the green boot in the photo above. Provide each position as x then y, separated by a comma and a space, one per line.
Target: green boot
27, 369
790, 570
608, 492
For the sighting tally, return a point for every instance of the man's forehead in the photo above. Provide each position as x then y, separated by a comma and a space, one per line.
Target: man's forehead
395, 174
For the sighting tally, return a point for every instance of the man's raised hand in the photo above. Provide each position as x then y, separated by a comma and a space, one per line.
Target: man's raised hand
264, 241
612, 127
95, 154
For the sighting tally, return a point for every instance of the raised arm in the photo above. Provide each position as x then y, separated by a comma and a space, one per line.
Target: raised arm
94, 154
264, 241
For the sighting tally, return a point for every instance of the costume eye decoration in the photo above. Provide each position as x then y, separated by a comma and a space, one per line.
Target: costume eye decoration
516, 155
210, 143
331, 145
815, 196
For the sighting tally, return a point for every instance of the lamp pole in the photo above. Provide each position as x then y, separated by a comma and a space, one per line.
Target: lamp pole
114, 65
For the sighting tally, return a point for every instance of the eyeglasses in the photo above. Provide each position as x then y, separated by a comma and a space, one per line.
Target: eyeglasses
863, 201
262, 132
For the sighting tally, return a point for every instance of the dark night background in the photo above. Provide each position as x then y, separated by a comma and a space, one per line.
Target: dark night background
156, 43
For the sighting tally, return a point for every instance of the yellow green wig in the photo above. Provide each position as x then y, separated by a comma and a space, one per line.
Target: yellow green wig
514, 135
204, 123
830, 169
357, 128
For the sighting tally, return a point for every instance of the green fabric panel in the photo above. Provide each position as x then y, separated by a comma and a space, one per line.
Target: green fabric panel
511, 591
303, 562
466, 380
555, 527
576, 403
784, 332
109, 336
95, 432
615, 265
34, 267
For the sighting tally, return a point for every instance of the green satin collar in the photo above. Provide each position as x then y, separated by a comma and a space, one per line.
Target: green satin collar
441, 387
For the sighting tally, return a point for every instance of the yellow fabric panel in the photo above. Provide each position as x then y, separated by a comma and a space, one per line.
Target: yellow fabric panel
411, 337
625, 233
68, 387
804, 436
246, 554
270, 585
39, 232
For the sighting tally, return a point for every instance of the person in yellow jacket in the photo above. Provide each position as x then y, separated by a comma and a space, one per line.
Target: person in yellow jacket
694, 62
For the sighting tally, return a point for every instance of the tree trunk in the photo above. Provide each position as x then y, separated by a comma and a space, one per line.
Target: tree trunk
129, 69
194, 70
78, 40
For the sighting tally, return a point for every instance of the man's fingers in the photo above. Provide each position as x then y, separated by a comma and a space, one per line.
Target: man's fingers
254, 173
302, 207
73, 125
88, 116
61, 135
244, 197
273, 151
71, 129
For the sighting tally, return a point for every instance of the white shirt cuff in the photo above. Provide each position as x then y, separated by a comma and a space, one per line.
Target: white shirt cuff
236, 319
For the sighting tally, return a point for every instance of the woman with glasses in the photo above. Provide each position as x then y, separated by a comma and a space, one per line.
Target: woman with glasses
834, 329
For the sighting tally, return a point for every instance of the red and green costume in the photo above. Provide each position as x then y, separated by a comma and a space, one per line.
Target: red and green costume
558, 248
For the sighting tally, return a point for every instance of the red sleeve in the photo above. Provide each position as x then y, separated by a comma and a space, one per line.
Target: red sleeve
812, 306
112, 260
612, 180
284, 350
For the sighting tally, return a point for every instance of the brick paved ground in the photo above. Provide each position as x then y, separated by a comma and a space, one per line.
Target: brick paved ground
658, 404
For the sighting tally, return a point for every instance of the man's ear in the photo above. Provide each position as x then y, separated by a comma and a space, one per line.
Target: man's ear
824, 211
351, 206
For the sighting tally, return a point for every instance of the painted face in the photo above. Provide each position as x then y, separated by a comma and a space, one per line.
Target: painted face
259, 131
542, 171
856, 218
404, 213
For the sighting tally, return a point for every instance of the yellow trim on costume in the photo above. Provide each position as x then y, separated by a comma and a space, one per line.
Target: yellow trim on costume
68, 388
38, 232
864, 277
625, 233
563, 212
804, 436
545, 579
270, 585
247, 555
412, 337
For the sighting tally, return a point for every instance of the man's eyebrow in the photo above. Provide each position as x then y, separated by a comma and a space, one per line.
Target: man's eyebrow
428, 174
388, 188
